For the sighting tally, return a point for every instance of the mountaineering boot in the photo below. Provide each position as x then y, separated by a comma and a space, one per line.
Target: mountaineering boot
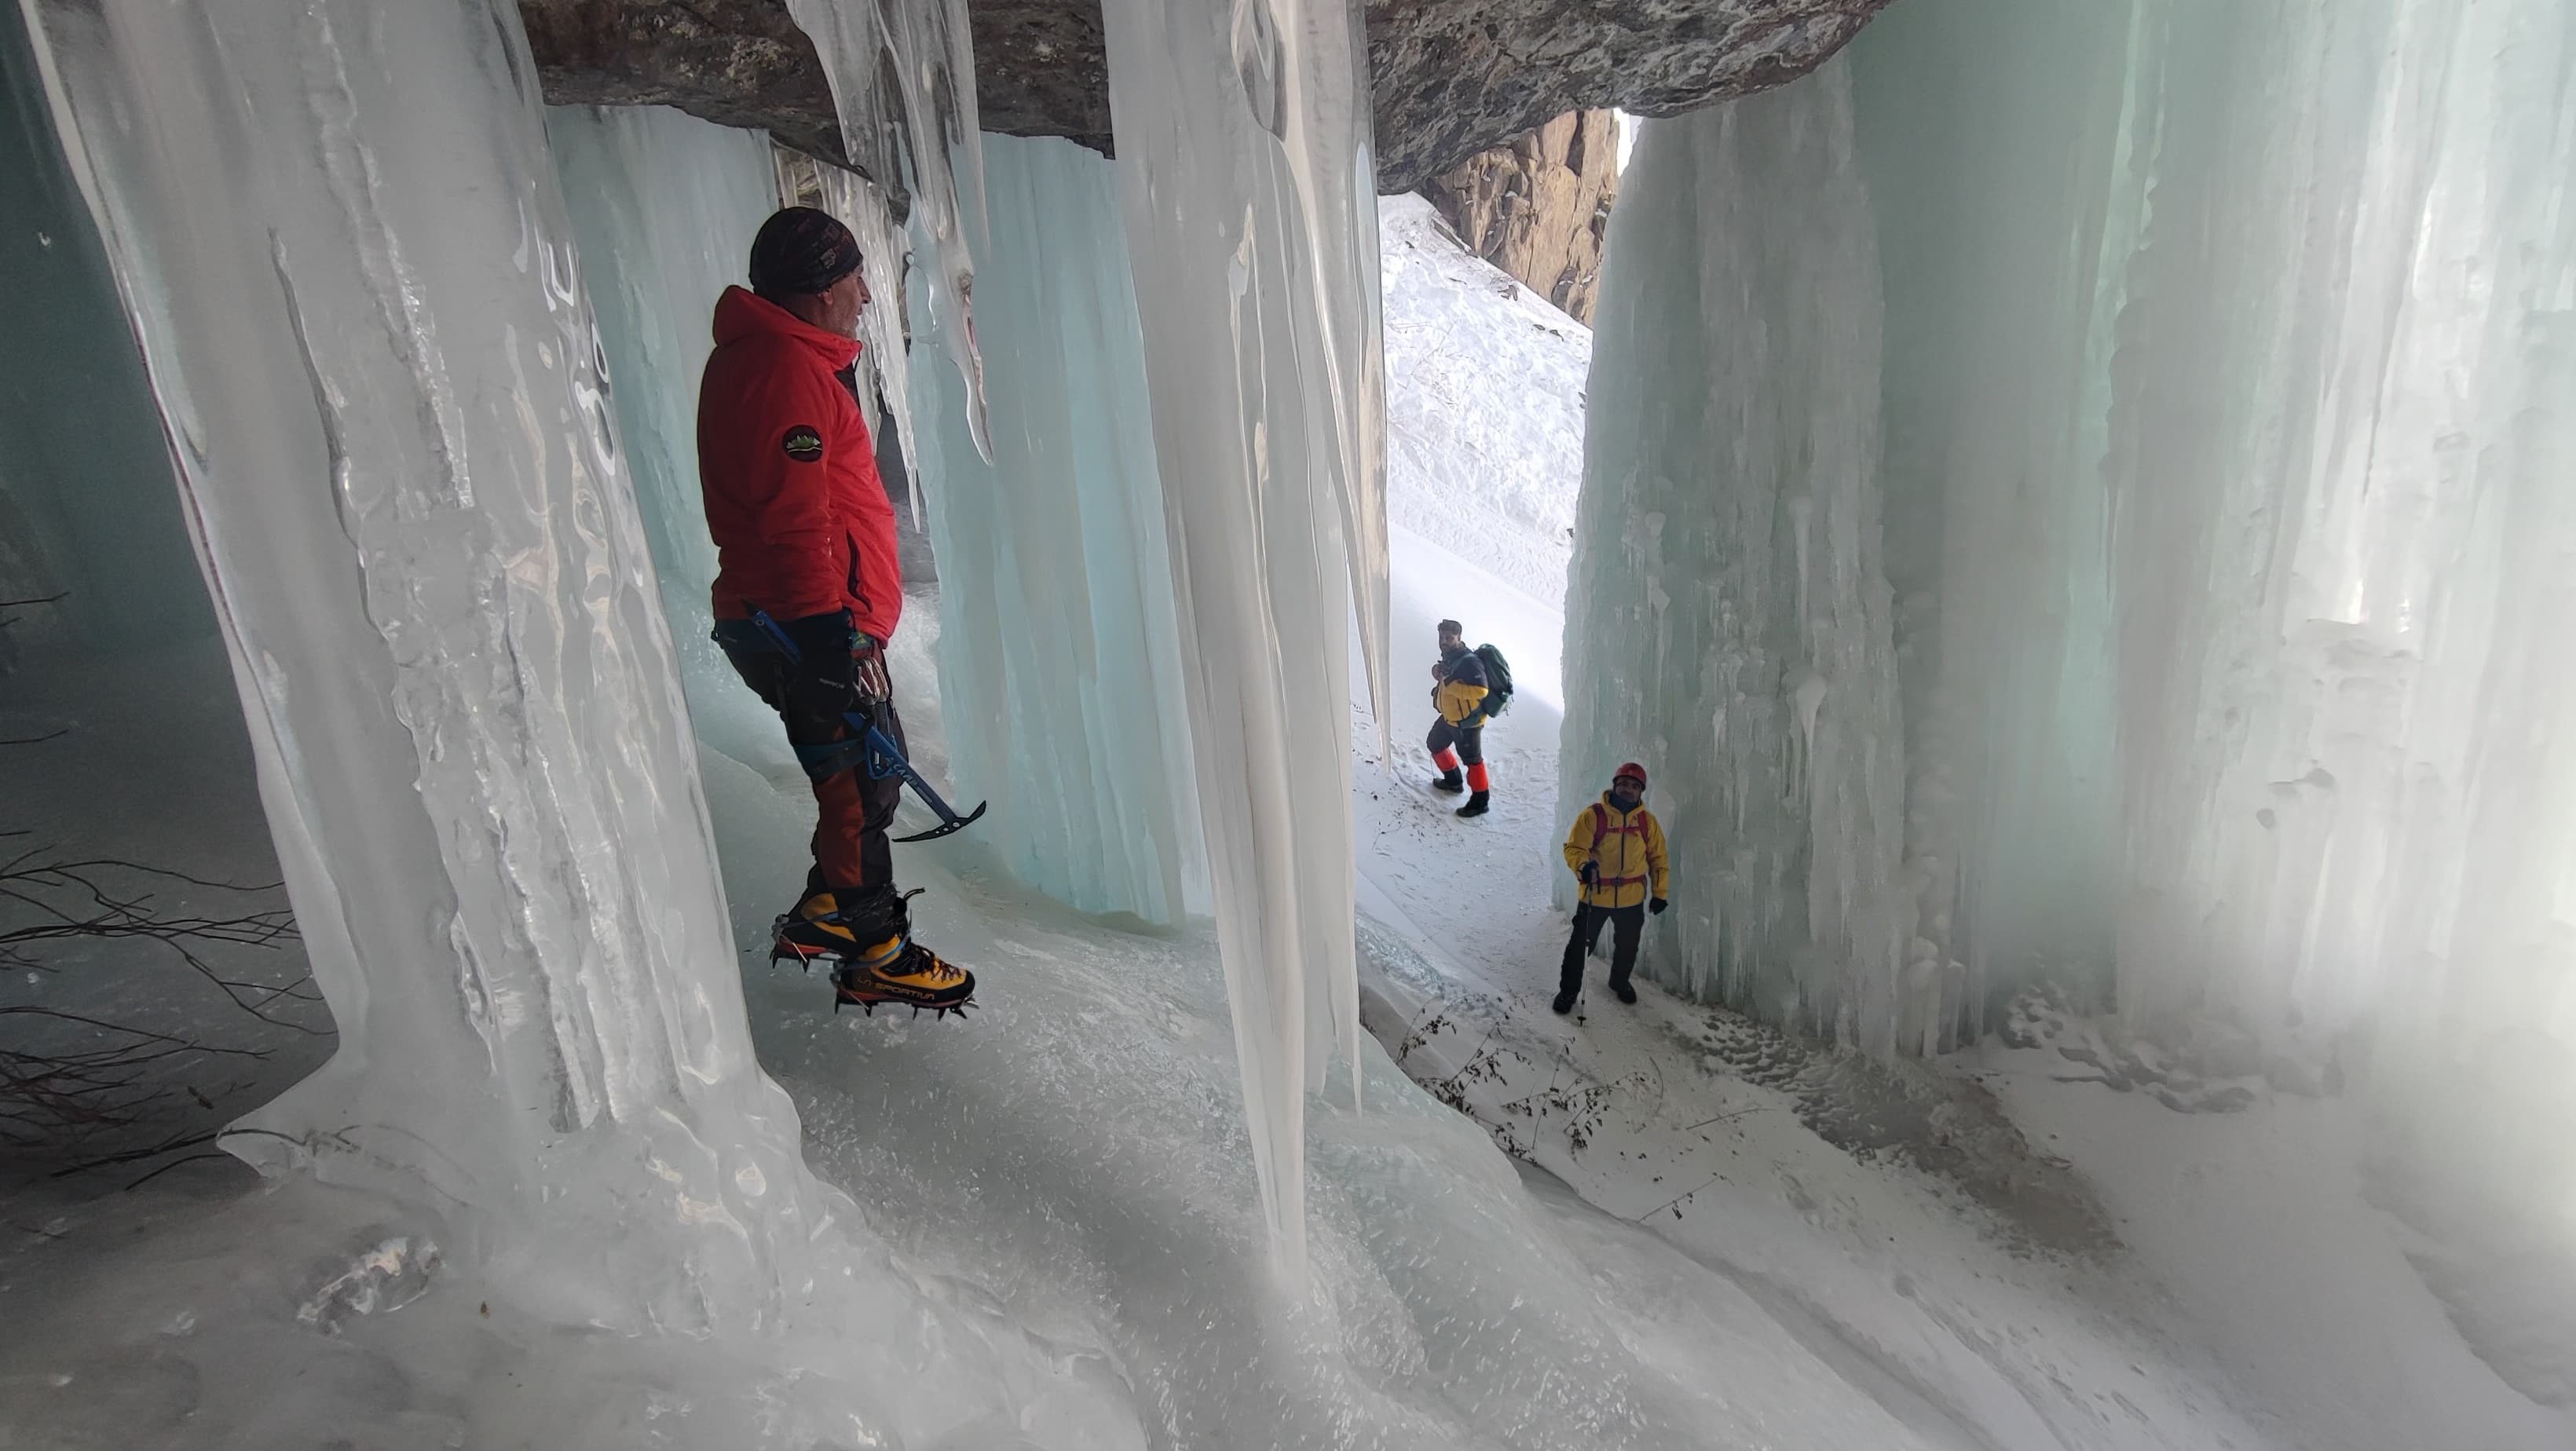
867, 935
1450, 781
1477, 805
900, 970
1624, 993
814, 930
1564, 1004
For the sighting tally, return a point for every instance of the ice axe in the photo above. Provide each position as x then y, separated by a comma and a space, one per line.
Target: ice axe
870, 748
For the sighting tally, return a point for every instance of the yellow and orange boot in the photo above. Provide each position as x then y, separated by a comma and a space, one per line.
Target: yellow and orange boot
900, 970
866, 937
813, 932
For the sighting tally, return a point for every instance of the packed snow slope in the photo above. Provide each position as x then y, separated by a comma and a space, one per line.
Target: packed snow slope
1484, 404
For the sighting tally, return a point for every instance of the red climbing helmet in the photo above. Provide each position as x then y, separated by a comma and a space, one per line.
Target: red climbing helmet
1630, 770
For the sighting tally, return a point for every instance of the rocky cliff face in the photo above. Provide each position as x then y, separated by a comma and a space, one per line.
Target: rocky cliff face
1453, 77
1538, 207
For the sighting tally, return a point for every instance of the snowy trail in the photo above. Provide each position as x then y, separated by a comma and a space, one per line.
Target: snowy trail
1918, 1299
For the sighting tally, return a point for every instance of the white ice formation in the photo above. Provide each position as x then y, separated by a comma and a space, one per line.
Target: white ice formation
1059, 655
929, 123
339, 237
1251, 225
2213, 379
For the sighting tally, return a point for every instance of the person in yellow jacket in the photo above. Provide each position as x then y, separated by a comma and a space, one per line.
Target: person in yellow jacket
1460, 691
1616, 849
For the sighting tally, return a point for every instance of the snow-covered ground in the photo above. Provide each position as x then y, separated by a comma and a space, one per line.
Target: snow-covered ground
1484, 404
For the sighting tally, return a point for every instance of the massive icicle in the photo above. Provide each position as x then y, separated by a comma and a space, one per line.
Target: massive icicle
664, 207
862, 204
1728, 618
338, 233
1059, 657
929, 121
1242, 153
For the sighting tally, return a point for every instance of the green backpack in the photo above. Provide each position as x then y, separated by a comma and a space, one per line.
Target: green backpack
1498, 680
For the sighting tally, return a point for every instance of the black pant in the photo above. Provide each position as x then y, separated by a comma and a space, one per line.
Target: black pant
1468, 738
1625, 924
851, 851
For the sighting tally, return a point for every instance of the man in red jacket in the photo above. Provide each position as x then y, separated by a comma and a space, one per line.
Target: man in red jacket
804, 534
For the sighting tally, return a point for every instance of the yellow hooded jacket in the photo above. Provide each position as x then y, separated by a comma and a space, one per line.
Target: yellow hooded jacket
1629, 845
1457, 700
1461, 692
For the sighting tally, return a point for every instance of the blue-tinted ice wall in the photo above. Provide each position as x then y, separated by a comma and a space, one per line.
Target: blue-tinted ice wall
664, 207
1728, 616
88, 509
1059, 656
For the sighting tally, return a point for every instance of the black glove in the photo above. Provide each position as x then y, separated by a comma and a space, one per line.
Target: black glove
1657, 906
1589, 874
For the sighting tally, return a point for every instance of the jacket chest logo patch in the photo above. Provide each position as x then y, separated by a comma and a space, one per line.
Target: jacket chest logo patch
803, 444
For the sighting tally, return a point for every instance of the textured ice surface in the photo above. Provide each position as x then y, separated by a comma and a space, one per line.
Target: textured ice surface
2224, 395
1242, 146
664, 207
1059, 657
339, 235
1727, 594
926, 120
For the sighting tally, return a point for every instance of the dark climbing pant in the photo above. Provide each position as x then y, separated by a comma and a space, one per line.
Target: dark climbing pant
853, 810
1469, 740
1453, 746
1625, 924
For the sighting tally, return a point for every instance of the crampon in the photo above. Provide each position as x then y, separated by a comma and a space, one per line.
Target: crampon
894, 972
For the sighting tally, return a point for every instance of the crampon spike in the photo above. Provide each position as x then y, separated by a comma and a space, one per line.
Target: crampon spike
869, 1002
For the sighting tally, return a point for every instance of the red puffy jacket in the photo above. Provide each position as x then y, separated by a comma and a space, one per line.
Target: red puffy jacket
800, 519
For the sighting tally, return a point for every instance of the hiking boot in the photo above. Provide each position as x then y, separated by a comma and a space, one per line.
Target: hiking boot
813, 931
1623, 993
1450, 781
1564, 1004
1478, 804
901, 970
832, 926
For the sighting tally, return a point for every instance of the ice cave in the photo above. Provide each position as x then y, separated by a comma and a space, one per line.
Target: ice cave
709, 739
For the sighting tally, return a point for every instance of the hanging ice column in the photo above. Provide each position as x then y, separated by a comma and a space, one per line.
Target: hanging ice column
861, 204
1059, 657
929, 120
337, 230
1244, 164
1728, 621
